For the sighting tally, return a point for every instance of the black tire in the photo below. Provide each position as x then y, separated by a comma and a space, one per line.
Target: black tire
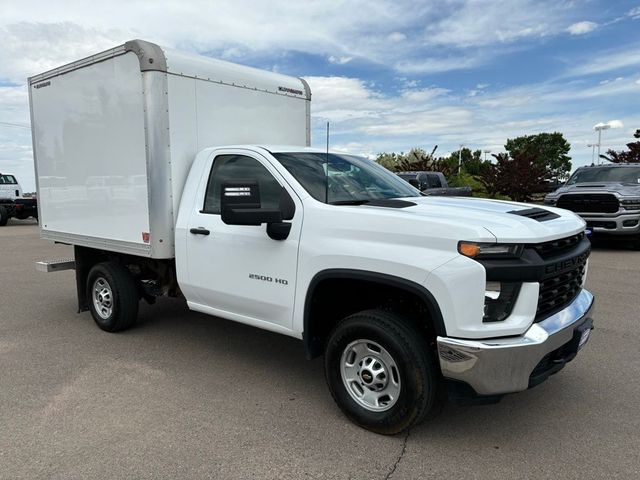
420, 381
4, 216
117, 281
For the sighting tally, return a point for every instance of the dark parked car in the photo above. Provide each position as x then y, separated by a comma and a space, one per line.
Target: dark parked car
434, 183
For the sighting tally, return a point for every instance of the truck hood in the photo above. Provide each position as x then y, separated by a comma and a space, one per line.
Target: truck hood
496, 217
624, 189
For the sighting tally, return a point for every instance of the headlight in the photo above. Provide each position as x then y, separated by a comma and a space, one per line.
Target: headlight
550, 201
489, 250
630, 203
499, 298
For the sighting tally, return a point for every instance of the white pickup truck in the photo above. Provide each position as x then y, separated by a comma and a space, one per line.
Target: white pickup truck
12, 203
411, 299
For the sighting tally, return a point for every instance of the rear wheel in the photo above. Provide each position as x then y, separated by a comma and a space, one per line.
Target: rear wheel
113, 297
4, 216
381, 373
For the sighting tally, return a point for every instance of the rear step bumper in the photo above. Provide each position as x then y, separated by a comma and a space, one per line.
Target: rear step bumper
55, 265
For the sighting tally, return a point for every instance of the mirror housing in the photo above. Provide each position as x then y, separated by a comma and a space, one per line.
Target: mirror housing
240, 204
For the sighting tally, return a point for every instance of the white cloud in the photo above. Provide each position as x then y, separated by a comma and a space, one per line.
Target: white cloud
365, 120
474, 24
31, 48
396, 37
339, 60
607, 61
580, 28
49, 33
634, 13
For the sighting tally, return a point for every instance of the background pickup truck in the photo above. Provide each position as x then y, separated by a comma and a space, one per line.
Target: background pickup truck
606, 196
434, 183
12, 203
177, 192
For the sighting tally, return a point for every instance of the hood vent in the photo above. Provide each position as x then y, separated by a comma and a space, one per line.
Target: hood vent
538, 214
389, 202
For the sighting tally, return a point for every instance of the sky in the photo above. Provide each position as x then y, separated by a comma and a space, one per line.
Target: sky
387, 75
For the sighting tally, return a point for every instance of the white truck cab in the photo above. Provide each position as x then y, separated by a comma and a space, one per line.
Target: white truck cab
9, 187
410, 298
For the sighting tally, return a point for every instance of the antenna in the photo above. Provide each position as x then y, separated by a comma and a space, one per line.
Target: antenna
326, 186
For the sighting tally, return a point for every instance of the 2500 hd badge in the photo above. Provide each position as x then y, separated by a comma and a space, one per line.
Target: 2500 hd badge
265, 278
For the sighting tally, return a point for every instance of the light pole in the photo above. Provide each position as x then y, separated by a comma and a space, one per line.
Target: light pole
599, 127
593, 150
460, 158
485, 154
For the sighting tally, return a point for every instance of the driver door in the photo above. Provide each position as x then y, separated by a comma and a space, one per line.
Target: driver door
238, 271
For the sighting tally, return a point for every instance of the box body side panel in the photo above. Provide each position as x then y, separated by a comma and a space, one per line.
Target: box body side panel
205, 114
90, 149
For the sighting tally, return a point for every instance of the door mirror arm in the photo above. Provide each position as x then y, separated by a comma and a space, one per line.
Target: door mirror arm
278, 230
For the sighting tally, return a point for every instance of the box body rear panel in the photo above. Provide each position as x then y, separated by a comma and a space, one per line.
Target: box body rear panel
89, 144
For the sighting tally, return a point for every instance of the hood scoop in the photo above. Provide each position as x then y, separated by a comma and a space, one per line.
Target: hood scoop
538, 214
390, 203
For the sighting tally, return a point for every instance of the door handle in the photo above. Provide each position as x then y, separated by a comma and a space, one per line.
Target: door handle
200, 231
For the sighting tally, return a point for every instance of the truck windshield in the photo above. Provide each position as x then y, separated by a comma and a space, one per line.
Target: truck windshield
350, 179
606, 174
7, 180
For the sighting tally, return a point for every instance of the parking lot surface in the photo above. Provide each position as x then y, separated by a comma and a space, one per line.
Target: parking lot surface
184, 395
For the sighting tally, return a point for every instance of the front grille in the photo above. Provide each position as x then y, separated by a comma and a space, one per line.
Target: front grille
557, 290
589, 203
556, 247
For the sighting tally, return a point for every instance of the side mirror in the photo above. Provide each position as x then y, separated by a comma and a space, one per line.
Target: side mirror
240, 204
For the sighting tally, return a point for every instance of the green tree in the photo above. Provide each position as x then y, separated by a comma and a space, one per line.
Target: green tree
549, 151
390, 161
631, 155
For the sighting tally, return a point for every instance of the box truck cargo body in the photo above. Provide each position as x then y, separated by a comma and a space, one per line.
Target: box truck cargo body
115, 134
410, 298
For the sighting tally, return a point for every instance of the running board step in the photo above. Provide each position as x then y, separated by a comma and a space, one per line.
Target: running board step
55, 265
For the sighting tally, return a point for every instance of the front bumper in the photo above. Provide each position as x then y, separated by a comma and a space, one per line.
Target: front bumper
614, 224
506, 365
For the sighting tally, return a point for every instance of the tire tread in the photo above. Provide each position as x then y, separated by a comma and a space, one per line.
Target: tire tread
429, 403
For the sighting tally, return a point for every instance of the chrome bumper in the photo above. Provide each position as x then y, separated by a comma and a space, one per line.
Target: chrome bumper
504, 365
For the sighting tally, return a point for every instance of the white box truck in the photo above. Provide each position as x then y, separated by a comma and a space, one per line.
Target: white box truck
185, 176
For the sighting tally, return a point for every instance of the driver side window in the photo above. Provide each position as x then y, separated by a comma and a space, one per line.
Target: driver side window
240, 167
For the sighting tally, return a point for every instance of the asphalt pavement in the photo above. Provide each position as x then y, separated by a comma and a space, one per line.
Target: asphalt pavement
184, 395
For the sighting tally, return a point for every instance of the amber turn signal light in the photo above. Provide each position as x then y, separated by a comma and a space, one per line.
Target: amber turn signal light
468, 249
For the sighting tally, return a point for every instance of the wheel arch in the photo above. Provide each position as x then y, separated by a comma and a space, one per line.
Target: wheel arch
314, 333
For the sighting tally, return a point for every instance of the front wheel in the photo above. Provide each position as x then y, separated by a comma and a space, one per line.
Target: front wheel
381, 373
112, 296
